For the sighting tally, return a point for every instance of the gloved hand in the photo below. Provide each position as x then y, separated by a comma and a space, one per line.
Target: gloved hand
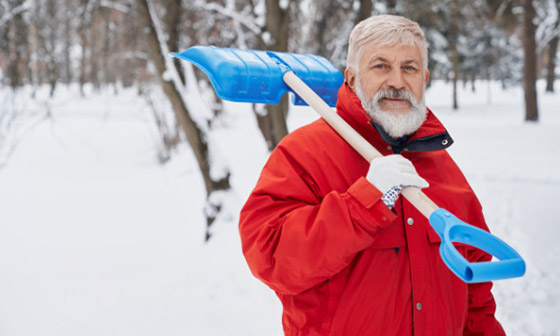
391, 171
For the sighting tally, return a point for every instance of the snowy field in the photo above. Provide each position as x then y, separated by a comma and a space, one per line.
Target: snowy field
97, 238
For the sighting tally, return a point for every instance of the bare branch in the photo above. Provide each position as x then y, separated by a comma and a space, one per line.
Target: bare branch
87, 13
115, 5
229, 12
11, 13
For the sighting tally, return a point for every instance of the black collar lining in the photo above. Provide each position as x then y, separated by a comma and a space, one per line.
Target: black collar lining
426, 144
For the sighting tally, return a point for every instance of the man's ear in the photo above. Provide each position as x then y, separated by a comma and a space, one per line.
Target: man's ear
350, 78
426, 77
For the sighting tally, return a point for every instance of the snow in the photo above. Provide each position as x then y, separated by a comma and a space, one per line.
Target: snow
97, 238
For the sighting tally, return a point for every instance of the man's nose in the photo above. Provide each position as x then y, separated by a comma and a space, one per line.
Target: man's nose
395, 79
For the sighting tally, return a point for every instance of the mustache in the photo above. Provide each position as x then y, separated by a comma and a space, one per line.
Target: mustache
393, 93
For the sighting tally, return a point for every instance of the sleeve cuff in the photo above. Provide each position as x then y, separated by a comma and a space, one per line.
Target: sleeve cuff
367, 204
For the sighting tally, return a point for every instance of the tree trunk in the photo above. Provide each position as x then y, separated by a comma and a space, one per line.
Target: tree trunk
108, 74
551, 75
454, 41
530, 62
87, 12
263, 122
172, 20
277, 25
455, 60
552, 49
392, 7
66, 52
324, 10
366, 7
195, 136
17, 49
278, 115
52, 66
84, 33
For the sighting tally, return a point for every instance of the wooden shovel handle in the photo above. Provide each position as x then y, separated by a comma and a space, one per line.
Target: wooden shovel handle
414, 195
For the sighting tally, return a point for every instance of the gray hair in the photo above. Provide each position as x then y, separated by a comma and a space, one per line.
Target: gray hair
385, 30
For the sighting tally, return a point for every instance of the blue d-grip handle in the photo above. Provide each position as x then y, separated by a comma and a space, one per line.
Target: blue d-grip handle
451, 229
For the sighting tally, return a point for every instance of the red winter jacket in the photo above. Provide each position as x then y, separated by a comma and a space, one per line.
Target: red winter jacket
315, 230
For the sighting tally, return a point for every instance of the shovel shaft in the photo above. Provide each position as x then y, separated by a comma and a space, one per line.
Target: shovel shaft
414, 195
510, 265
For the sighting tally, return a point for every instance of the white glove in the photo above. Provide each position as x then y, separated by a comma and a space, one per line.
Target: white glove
392, 171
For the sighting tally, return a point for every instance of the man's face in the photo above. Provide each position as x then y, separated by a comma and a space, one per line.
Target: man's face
390, 85
386, 67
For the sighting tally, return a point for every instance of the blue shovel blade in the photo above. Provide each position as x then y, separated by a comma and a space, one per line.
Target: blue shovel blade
451, 229
255, 76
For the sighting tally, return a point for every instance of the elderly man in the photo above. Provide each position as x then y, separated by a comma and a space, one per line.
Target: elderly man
328, 232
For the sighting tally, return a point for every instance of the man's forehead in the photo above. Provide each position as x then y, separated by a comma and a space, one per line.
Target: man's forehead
396, 53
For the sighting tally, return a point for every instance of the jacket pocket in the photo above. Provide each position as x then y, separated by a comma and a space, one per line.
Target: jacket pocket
434, 238
391, 236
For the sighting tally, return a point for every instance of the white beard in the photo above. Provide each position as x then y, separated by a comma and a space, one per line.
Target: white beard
396, 124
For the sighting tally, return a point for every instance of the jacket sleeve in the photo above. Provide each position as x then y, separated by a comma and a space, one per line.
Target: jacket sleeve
482, 306
293, 237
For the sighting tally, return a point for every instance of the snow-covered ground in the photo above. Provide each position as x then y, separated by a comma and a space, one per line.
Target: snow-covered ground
97, 238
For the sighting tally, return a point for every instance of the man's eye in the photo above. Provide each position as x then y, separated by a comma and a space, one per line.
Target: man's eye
380, 66
409, 68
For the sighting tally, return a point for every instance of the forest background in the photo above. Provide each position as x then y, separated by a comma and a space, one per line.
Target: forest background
93, 112
125, 43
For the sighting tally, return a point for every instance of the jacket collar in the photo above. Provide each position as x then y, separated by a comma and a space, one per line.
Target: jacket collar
431, 136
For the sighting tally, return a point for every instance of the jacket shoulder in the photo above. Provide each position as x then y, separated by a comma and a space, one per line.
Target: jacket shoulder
314, 140
322, 157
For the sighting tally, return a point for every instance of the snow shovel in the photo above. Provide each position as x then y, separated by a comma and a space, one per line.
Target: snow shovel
263, 77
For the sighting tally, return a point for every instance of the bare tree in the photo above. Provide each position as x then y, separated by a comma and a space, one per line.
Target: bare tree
267, 31
331, 23
552, 50
530, 61
454, 34
364, 11
87, 8
16, 38
47, 27
275, 37
196, 134
168, 131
